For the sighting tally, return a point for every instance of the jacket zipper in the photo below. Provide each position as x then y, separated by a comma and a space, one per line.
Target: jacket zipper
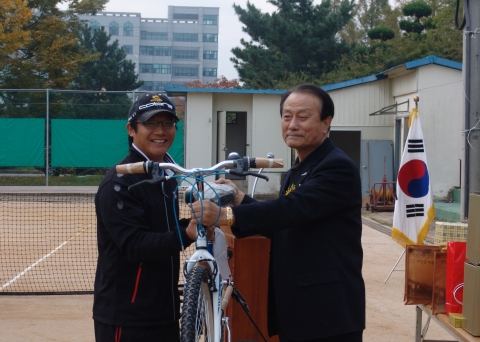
139, 272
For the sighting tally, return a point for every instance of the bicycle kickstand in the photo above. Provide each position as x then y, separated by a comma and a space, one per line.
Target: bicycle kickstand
243, 303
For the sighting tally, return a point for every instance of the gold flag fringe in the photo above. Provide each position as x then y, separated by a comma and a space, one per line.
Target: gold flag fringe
404, 240
413, 114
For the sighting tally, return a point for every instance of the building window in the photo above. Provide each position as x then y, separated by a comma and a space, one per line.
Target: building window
185, 37
156, 50
185, 54
128, 29
210, 54
94, 26
154, 86
209, 20
153, 35
154, 68
185, 16
231, 118
113, 29
185, 71
210, 37
212, 72
128, 49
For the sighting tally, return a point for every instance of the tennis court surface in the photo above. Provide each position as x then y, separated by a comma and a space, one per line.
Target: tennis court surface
61, 259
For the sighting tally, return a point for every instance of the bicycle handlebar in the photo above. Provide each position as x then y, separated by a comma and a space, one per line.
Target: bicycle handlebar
241, 164
238, 167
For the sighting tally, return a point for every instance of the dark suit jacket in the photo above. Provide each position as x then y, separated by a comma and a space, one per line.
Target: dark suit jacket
316, 287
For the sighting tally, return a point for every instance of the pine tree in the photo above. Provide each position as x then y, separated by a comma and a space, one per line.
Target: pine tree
299, 37
111, 71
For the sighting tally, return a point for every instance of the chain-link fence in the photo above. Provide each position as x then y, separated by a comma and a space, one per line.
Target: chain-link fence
53, 130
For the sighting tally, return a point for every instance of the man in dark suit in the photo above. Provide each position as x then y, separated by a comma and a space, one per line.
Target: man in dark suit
316, 289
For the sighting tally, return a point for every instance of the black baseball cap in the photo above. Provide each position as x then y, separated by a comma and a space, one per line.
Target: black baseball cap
148, 105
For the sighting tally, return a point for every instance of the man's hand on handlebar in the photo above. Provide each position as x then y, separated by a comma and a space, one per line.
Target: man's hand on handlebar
210, 213
192, 230
239, 195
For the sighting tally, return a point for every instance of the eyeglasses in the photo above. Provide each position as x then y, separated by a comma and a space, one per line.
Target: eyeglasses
154, 124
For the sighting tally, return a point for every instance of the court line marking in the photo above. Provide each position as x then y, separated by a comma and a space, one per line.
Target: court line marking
18, 276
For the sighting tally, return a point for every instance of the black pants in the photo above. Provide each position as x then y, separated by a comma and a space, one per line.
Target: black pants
163, 333
350, 337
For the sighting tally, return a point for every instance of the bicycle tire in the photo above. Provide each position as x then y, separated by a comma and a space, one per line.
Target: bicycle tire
197, 310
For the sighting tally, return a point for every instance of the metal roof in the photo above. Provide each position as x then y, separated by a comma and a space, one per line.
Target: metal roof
329, 87
172, 90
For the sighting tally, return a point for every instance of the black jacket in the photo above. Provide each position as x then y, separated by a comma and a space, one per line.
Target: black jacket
136, 282
316, 289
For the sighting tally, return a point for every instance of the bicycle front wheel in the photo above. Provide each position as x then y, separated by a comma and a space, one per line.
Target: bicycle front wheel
197, 311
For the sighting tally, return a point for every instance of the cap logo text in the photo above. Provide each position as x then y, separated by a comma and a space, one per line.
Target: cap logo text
155, 104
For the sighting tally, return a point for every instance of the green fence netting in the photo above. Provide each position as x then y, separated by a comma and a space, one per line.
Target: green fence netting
23, 143
96, 143
177, 150
88, 143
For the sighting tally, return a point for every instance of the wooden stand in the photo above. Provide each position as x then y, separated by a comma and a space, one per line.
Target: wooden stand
249, 267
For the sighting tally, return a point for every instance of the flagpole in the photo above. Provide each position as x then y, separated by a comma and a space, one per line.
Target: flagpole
415, 99
393, 269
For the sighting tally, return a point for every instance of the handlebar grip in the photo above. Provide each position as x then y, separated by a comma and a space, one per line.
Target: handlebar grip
266, 162
131, 168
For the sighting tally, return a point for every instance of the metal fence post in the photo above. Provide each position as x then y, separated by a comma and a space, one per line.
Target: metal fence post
47, 138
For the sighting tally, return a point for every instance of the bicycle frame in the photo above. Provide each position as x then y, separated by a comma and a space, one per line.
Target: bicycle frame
240, 167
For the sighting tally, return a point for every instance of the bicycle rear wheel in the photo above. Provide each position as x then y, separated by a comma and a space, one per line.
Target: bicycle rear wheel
197, 310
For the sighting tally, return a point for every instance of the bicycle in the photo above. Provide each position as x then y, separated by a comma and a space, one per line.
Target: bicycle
206, 294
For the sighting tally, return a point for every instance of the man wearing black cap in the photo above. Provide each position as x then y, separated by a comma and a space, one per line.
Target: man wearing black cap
136, 285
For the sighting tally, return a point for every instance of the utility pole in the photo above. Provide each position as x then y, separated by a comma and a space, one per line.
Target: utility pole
471, 77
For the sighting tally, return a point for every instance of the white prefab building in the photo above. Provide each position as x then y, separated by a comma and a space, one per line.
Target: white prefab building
370, 124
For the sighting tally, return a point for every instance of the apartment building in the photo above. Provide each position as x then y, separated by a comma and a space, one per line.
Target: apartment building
167, 52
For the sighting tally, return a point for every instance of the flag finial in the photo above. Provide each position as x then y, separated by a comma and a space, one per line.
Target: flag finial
416, 99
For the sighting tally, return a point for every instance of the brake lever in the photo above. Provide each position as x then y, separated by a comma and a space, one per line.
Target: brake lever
154, 180
157, 174
256, 175
248, 173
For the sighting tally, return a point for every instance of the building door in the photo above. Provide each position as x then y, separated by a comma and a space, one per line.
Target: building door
348, 142
377, 162
232, 136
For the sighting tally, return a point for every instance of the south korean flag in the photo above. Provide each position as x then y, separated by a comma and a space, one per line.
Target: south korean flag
414, 208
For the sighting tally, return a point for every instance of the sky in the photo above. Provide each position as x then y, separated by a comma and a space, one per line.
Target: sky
230, 28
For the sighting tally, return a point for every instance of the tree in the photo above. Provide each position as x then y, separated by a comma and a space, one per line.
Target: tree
417, 9
14, 15
381, 32
440, 39
298, 37
47, 54
370, 14
218, 83
111, 71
